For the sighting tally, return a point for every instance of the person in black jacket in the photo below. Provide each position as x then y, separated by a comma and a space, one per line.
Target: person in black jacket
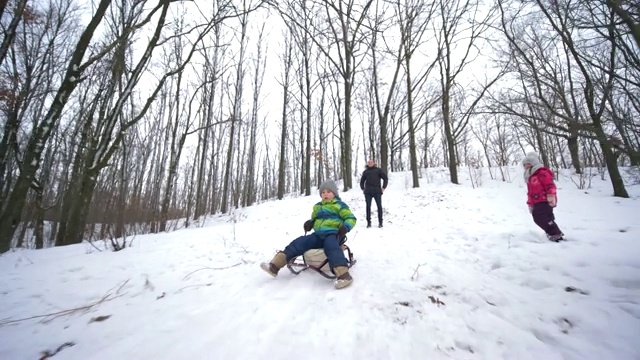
370, 185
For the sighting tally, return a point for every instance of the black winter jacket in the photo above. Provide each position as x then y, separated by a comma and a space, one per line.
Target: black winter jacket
370, 180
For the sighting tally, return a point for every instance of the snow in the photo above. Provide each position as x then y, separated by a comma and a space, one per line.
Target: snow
456, 273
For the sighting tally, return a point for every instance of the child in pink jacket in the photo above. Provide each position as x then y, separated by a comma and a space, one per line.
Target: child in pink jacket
541, 195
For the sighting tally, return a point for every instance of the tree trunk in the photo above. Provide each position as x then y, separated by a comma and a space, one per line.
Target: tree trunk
78, 211
541, 148
171, 181
617, 182
450, 140
224, 205
38, 221
346, 141
307, 158
9, 33
74, 178
121, 205
177, 142
283, 140
574, 148
413, 156
7, 145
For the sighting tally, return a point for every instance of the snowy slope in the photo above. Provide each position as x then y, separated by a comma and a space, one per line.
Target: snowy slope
457, 273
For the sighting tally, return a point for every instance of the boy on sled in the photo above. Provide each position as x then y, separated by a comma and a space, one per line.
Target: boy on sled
331, 219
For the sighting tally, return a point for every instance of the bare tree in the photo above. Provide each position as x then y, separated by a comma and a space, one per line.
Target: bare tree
10, 213
302, 33
236, 115
343, 29
383, 108
252, 153
110, 100
20, 12
113, 123
590, 74
287, 60
180, 125
459, 27
558, 17
412, 31
212, 72
629, 13
482, 132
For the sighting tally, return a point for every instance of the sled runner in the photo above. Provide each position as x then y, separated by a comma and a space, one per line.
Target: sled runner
316, 260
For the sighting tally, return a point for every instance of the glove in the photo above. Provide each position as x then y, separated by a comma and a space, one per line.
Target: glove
308, 225
530, 209
342, 231
552, 200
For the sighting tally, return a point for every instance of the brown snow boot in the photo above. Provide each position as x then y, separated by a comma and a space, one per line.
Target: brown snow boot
277, 263
343, 278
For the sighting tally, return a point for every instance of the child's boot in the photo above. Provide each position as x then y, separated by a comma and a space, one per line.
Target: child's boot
343, 279
277, 263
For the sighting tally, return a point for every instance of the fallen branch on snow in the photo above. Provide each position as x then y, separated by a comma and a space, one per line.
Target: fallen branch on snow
52, 316
436, 300
48, 354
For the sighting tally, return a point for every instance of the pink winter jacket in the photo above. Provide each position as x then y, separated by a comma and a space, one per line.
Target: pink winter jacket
540, 185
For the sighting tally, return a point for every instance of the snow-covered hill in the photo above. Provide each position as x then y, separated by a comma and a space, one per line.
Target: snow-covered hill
456, 273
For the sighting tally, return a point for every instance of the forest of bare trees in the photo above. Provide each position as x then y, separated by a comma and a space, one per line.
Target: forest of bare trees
139, 116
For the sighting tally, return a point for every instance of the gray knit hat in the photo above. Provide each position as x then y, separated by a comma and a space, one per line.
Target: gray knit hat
532, 158
329, 185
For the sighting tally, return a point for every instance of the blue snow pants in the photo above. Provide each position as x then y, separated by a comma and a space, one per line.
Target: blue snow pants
327, 241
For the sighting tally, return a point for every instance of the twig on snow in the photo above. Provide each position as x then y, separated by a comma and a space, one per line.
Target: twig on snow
94, 246
210, 268
415, 273
191, 286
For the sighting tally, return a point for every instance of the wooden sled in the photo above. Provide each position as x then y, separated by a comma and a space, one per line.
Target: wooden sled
316, 260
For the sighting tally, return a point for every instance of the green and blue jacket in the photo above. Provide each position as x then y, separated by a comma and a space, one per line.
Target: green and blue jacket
328, 215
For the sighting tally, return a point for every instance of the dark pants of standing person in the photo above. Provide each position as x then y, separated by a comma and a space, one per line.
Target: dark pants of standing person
544, 218
378, 198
